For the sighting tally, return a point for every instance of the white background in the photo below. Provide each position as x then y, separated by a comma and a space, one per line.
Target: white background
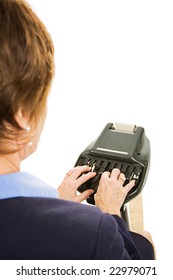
114, 63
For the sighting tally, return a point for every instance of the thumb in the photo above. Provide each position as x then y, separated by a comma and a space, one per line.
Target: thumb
84, 195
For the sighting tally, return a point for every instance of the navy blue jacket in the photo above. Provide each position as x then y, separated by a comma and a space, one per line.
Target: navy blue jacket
55, 229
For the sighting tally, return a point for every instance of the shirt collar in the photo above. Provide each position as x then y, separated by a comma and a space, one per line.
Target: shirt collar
22, 184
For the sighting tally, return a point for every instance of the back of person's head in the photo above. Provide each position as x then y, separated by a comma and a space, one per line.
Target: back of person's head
26, 65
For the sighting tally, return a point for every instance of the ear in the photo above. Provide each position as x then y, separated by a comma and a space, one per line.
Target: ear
22, 119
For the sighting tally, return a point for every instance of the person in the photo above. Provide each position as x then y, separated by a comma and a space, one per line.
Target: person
37, 221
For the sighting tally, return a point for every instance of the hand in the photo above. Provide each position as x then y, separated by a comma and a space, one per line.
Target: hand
73, 179
111, 193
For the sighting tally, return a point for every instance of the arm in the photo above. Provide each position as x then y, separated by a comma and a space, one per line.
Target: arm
114, 241
140, 241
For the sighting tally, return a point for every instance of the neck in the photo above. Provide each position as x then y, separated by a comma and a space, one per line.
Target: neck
9, 163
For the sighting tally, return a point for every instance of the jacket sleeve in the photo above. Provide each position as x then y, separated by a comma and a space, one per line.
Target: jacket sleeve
142, 244
115, 242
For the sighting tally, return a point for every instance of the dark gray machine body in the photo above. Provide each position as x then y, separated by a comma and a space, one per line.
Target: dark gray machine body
121, 146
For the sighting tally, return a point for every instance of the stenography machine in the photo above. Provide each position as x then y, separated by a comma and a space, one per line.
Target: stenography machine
121, 146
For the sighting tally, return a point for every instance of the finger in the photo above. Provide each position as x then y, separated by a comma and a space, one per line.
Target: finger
69, 173
122, 178
84, 195
105, 174
115, 173
78, 170
129, 186
85, 177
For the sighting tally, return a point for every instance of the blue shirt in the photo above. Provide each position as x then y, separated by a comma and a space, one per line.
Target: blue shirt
22, 184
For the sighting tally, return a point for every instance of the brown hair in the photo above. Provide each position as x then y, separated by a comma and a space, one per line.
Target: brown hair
26, 64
